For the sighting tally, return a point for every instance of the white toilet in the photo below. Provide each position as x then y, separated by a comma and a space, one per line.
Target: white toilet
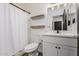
31, 49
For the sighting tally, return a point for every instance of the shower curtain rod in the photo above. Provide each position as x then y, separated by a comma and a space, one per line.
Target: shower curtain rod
20, 8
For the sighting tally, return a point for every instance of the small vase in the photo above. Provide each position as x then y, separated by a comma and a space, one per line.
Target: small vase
57, 31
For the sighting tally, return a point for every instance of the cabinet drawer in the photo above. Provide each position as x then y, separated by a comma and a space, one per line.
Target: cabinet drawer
49, 44
49, 49
60, 40
67, 51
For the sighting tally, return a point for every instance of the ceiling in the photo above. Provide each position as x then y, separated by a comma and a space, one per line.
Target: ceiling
34, 8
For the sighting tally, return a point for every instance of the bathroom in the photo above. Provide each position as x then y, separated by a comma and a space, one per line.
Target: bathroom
48, 30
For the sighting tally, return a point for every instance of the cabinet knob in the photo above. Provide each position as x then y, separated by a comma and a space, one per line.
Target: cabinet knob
59, 47
55, 47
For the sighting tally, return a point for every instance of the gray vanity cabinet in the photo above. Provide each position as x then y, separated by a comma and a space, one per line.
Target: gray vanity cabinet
50, 49
59, 46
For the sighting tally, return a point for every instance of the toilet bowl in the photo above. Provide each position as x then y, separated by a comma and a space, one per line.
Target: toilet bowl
31, 47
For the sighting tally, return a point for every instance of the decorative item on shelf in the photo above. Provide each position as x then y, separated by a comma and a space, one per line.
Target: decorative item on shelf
57, 16
38, 26
37, 17
69, 22
64, 20
57, 31
73, 20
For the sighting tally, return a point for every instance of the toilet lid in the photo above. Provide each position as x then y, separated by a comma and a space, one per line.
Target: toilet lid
31, 47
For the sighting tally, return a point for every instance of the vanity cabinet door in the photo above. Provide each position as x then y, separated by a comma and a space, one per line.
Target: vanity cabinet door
49, 49
67, 51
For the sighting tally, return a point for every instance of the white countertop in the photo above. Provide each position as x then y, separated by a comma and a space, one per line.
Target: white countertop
60, 35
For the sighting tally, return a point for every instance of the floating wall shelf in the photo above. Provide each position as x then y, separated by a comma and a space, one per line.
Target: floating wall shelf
37, 17
57, 16
37, 26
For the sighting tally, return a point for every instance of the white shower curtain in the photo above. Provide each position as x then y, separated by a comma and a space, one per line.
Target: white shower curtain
13, 29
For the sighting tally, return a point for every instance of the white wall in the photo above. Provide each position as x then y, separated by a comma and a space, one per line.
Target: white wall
35, 32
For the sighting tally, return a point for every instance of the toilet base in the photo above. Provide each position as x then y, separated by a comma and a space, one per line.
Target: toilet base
35, 53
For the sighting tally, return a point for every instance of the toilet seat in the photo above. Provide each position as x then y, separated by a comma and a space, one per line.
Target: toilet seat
31, 47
